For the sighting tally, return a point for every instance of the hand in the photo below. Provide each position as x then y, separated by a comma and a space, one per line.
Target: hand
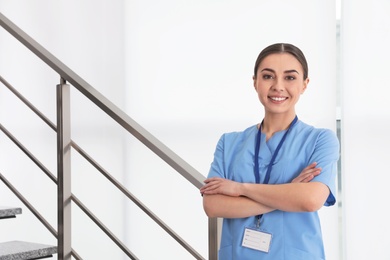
308, 173
218, 185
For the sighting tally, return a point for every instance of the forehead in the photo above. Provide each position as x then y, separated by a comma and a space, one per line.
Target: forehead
280, 62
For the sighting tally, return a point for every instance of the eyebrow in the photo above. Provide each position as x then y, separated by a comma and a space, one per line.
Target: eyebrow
286, 71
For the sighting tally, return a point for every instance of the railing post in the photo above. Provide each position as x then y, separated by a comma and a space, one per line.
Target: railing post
214, 237
63, 171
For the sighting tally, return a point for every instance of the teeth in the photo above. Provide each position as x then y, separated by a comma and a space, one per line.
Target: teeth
278, 98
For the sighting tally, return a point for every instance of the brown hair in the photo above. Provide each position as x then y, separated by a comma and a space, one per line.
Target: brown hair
283, 48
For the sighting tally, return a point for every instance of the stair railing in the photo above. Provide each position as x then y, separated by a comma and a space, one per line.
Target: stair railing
64, 144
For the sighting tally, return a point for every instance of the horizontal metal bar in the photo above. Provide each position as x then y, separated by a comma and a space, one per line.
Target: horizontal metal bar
28, 153
29, 206
104, 228
137, 202
27, 103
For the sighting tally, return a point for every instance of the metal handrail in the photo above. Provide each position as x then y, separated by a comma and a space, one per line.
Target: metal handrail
66, 74
181, 166
99, 168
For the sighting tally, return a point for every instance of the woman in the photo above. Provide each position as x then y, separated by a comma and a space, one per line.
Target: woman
269, 181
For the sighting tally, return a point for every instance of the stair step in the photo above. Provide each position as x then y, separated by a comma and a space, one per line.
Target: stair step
16, 250
9, 212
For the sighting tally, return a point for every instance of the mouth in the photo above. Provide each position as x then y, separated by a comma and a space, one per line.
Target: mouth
278, 99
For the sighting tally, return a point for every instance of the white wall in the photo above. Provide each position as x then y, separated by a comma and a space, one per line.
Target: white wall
366, 126
183, 70
189, 72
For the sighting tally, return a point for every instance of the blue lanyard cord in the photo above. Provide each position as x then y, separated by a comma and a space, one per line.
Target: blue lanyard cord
258, 140
257, 150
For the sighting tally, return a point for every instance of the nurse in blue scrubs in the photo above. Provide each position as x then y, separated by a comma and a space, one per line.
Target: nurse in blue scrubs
268, 181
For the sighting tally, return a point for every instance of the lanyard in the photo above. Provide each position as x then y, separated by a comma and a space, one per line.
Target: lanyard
257, 150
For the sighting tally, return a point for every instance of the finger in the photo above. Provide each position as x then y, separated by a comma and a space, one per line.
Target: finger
212, 179
311, 171
211, 183
297, 179
210, 191
310, 166
210, 186
304, 179
313, 164
208, 180
317, 171
308, 178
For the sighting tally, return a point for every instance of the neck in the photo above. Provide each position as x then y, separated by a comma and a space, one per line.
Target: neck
276, 123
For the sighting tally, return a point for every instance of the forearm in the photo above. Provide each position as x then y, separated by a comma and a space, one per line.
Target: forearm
293, 197
232, 207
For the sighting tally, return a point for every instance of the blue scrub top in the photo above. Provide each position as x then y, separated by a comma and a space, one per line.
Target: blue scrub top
295, 235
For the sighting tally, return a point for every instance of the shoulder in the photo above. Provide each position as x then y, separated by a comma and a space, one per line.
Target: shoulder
233, 140
231, 146
321, 141
230, 137
311, 132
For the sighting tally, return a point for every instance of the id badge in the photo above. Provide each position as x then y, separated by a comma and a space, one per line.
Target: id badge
257, 240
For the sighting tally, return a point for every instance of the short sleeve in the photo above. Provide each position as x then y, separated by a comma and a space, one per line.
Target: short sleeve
326, 154
217, 166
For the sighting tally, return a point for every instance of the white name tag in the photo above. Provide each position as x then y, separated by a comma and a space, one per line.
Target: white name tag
257, 240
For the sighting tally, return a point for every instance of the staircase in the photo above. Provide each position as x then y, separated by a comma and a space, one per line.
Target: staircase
65, 197
15, 250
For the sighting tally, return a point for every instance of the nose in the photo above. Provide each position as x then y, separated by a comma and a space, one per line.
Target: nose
277, 86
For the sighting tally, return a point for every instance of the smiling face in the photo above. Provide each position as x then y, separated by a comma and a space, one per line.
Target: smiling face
279, 82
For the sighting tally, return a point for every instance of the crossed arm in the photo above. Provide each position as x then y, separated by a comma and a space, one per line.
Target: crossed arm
230, 199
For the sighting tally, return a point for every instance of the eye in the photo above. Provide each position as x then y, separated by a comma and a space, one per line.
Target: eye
267, 76
290, 78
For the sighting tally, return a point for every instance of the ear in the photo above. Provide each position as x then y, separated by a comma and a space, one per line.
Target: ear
254, 82
305, 83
